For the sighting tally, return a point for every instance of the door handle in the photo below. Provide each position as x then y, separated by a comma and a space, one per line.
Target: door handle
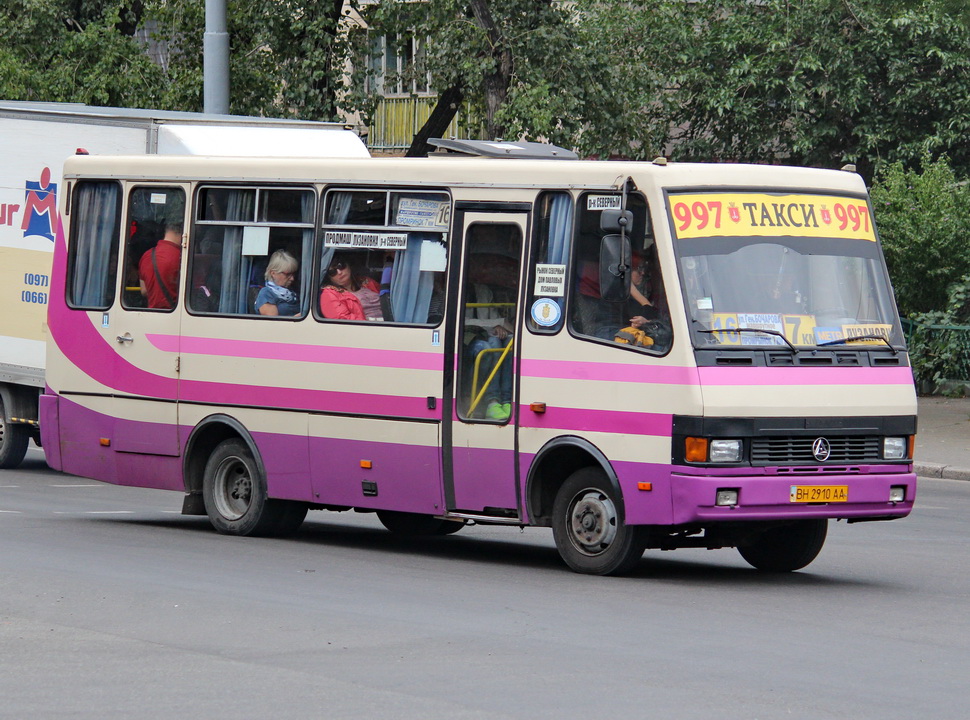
126, 338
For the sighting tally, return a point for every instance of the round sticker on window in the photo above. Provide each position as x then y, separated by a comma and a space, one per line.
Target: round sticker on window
546, 312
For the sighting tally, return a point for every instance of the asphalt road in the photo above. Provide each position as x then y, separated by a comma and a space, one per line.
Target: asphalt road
112, 605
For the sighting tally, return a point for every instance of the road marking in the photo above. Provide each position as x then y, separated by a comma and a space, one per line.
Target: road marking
12, 512
110, 512
73, 485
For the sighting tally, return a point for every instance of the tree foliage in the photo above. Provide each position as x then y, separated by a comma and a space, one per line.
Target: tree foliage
815, 82
74, 51
924, 221
509, 58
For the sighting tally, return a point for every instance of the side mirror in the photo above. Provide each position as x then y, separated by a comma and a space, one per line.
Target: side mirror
614, 221
616, 259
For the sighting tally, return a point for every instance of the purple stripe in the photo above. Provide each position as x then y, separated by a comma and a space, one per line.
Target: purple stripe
610, 421
332, 355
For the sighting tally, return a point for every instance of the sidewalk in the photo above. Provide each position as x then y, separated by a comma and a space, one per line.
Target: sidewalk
943, 438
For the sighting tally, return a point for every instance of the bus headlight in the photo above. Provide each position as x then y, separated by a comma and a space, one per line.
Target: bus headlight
725, 451
894, 448
897, 493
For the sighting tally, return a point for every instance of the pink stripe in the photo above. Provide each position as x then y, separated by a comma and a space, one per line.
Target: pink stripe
331, 355
611, 372
712, 376
806, 376
607, 421
312, 400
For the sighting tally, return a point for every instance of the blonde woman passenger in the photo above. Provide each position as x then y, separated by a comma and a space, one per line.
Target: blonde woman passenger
276, 298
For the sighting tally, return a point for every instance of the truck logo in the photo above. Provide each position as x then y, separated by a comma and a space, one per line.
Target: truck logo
40, 206
821, 449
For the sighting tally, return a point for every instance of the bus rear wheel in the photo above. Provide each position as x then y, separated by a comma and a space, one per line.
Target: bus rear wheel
588, 528
234, 490
786, 548
14, 438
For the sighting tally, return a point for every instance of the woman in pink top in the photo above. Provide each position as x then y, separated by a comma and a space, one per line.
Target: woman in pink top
346, 296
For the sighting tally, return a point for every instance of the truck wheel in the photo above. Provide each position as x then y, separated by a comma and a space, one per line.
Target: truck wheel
13, 441
787, 547
590, 534
405, 523
234, 491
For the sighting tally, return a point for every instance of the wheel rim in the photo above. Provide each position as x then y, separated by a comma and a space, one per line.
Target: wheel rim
233, 488
592, 522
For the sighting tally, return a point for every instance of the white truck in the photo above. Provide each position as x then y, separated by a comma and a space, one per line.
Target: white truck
35, 138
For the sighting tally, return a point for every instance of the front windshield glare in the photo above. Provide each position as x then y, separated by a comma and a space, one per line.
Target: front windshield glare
808, 291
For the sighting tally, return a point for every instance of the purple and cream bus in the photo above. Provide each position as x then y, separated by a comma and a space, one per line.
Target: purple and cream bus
637, 355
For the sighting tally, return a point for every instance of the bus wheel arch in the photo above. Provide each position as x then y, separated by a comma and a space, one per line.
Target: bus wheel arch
224, 468
205, 437
555, 462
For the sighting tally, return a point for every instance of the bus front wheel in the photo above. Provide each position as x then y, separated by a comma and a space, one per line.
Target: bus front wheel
786, 548
588, 528
234, 490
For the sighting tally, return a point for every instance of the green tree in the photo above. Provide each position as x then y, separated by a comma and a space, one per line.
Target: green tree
75, 51
511, 59
815, 82
286, 59
923, 216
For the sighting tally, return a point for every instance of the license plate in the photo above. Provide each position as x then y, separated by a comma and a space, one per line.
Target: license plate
819, 493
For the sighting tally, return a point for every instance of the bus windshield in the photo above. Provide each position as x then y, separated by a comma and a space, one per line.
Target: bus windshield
796, 287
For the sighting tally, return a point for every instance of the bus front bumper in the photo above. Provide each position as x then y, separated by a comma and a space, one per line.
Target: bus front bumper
789, 496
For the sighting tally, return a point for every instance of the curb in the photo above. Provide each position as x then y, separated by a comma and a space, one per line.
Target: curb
936, 470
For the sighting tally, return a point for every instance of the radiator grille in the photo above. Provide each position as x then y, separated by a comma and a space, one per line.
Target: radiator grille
798, 450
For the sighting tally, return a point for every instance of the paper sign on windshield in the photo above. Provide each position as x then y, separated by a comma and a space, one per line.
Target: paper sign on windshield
697, 215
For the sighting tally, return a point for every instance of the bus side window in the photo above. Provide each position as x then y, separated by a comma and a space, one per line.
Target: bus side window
249, 249
153, 248
550, 262
93, 251
394, 273
643, 319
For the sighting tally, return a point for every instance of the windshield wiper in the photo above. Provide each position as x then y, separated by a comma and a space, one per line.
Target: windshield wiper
755, 330
871, 336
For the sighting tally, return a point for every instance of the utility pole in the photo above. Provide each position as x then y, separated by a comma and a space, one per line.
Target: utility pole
215, 63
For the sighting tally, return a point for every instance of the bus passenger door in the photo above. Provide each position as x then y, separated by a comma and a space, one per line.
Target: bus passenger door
144, 330
479, 434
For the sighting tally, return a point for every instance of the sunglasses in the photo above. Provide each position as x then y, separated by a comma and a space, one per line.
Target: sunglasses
336, 267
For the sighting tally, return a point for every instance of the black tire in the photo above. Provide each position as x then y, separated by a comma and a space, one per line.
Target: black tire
13, 441
415, 524
786, 547
588, 526
234, 491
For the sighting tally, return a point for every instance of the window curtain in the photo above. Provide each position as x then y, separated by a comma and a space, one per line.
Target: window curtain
411, 288
306, 266
96, 217
234, 295
560, 232
338, 214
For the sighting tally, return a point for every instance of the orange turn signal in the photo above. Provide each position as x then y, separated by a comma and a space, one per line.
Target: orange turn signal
695, 450
366, 464
537, 407
105, 442
912, 446
644, 486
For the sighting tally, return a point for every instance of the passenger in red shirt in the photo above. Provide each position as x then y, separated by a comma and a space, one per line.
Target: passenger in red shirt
167, 255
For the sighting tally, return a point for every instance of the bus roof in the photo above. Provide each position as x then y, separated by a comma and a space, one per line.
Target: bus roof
463, 172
